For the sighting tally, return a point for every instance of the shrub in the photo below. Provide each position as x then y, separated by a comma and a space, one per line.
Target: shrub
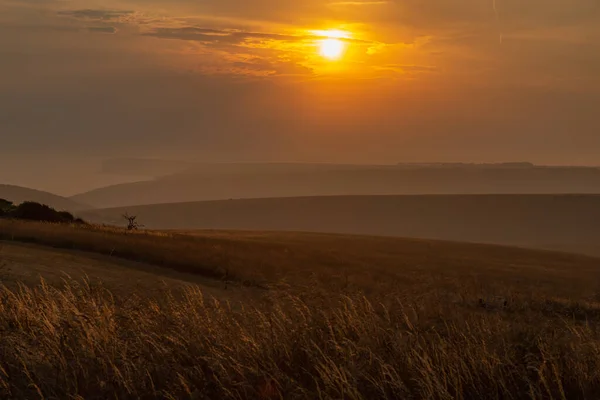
40, 212
6, 206
66, 216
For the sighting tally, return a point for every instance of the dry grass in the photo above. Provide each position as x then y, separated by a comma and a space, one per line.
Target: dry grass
80, 342
26, 263
332, 262
369, 318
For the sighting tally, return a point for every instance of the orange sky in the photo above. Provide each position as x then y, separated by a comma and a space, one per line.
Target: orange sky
229, 80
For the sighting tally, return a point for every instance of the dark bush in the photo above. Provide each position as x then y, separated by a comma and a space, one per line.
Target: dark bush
6, 205
40, 212
66, 216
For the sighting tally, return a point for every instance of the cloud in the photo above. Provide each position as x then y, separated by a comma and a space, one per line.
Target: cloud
209, 35
105, 15
266, 67
102, 29
236, 37
236, 78
265, 54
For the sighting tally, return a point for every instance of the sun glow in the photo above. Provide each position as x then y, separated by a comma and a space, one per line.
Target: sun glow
333, 34
333, 45
332, 49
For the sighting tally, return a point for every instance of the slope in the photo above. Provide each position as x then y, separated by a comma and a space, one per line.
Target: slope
337, 315
561, 222
18, 194
291, 181
375, 265
25, 263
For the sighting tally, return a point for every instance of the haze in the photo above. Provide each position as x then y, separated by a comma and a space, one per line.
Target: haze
234, 80
299, 199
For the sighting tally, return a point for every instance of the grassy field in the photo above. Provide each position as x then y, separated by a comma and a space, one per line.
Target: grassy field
259, 315
26, 264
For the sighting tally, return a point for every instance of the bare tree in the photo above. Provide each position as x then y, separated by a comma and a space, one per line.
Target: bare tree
132, 224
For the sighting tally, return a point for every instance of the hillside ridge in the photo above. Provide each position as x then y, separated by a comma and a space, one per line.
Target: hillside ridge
19, 194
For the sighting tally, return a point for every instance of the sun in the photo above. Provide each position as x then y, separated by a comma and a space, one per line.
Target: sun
333, 46
332, 49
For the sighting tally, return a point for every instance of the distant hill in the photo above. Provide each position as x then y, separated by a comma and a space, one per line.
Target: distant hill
18, 194
143, 167
158, 168
562, 222
235, 181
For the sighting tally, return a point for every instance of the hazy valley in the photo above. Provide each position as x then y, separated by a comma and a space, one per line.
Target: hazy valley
235, 181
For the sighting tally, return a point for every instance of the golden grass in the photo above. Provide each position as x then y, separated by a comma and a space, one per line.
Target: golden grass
364, 318
157, 248
332, 262
80, 342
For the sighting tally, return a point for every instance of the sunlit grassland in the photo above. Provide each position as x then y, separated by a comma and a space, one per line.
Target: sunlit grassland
334, 317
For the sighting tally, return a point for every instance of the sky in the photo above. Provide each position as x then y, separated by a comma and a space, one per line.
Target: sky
244, 80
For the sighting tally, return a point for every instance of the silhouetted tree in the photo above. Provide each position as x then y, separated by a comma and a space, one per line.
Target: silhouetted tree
132, 224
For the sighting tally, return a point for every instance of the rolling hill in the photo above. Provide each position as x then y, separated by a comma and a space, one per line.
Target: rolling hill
561, 222
236, 181
265, 259
18, 194
24, 263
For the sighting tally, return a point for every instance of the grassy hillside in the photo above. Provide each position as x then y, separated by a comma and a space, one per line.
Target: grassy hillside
26, 264
332, 317
235, 181
18, 194
262, 258
562, 222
